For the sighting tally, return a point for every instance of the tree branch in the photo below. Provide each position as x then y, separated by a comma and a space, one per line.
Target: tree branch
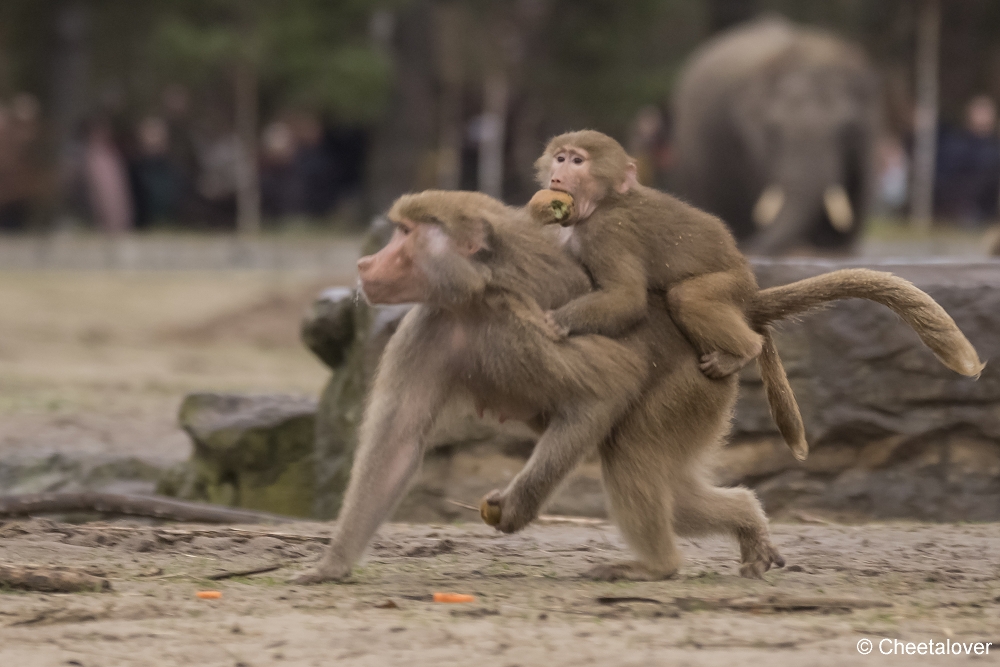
119, 503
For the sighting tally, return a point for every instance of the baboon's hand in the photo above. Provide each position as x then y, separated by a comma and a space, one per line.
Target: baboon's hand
556, 331
503, 512
490, 509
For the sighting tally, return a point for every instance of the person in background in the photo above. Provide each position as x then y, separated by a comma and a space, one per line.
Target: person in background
156, 177
281, 185
967, 184
893, 174
648, 143
182, 150
106, 179
21, 175
218, 153
314, 165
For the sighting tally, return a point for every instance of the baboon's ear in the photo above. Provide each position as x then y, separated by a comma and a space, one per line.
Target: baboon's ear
477, 238
631, 178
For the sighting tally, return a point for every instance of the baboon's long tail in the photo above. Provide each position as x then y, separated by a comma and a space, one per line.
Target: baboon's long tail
784, 409
934, 326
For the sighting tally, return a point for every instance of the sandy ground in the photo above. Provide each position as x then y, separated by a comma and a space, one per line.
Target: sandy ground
911, 582
95, 363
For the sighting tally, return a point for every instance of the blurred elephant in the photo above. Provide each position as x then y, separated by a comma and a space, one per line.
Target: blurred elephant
775, 133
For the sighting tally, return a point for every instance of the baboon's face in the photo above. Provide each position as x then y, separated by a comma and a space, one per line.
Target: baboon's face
570, 172
424, 261
392, 275
588, 175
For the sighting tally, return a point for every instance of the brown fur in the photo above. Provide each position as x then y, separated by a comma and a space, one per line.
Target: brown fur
639, 239
935, 327
641, 400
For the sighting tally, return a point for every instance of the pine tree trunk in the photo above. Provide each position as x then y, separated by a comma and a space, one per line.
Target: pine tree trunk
493, 134
247, 177
925, 130
449, 30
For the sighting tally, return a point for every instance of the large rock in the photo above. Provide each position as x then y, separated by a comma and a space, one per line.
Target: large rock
249, 451
893, 432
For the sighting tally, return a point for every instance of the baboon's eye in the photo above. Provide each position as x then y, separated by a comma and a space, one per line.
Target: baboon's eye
560, 158
578, 160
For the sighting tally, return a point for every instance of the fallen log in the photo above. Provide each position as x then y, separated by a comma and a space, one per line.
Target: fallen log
50, 580
158, 507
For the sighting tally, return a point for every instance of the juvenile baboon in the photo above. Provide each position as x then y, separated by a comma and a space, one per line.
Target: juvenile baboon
632, 239
483, 275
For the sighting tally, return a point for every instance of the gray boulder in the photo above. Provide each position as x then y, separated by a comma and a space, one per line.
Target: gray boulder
249, 451
893, 432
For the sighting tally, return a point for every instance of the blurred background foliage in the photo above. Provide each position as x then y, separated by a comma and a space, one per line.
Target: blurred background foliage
405, 88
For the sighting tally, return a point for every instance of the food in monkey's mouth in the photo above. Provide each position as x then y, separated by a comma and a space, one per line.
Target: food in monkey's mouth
549, 206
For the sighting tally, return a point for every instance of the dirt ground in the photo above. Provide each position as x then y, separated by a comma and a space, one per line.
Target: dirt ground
95, 363
911, 582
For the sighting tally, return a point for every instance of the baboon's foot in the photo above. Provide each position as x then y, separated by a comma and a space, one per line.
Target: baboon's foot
322, 573
719, 364
758, 557
629, 570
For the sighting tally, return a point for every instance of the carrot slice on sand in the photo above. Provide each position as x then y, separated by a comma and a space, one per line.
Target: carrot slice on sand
454, 597
209, 595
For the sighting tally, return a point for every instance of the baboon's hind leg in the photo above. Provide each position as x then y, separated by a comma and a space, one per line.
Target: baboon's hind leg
642, 509
709, 310
701, 508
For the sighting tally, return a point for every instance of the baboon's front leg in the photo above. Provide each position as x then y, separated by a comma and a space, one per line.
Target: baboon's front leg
388, 457
570, 435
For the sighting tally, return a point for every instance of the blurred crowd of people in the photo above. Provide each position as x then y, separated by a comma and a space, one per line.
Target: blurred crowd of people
22, 180
967, 168
967, 182
166, 168
169, 167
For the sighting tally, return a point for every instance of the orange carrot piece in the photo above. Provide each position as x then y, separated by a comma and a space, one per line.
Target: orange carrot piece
209, 595
454, 597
